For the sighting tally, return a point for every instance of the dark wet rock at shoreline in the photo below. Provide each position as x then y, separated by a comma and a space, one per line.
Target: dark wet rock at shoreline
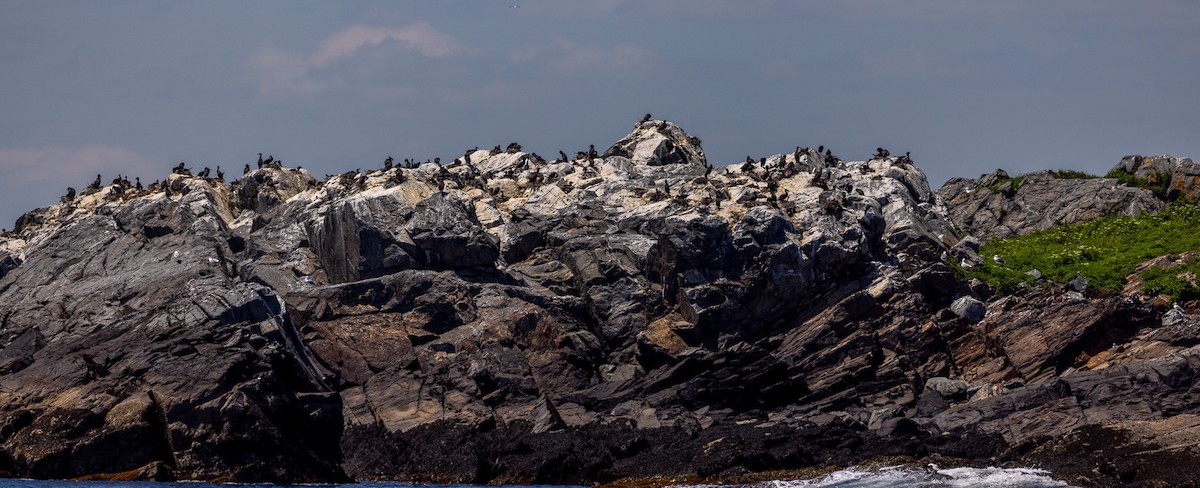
507, 318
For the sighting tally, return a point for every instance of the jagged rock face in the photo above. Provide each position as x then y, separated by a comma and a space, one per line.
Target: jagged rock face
1179, 176
127, 327
508, 318
658, 143
993, 206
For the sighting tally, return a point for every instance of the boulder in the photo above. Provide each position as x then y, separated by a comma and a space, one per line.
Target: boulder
969, 308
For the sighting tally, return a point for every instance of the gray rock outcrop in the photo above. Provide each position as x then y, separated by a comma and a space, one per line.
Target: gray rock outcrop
997, 205
504, 318
1175, 178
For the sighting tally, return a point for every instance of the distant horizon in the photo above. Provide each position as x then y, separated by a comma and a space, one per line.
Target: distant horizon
133, 87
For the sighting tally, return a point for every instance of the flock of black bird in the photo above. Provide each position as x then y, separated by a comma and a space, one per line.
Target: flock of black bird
817, 162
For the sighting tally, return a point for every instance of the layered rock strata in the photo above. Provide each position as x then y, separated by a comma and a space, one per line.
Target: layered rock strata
503, 317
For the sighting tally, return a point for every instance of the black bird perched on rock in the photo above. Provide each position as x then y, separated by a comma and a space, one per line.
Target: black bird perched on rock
707, 170
70, 193
270, 159
260, 160
220, 174
246, 170
562, 155
646, 118
137, 183
96, 184
204, 172
591, 151
387, 163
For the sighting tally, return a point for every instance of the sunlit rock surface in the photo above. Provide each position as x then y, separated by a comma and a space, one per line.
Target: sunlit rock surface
509, 317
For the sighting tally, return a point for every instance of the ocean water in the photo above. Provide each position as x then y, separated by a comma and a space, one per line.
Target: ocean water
896, 477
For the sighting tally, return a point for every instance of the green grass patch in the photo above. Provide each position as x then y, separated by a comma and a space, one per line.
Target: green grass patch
1070, 174
1003, 184
1104, 251
1172, 281
1158, 187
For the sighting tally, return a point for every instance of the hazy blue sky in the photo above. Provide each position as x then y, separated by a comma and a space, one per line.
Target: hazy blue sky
133, 87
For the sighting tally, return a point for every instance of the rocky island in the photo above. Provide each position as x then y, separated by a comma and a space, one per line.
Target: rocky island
628, 316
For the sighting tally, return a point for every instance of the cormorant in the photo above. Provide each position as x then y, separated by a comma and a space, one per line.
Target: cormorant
220, 175
562, 155
138, 183
646, 118
96, 183
260, 160
707, 170
204, 173
387, 163
246, 170
270, 159
70, 193
591, 151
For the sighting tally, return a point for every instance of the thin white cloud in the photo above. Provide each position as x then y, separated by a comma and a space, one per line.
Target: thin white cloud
420, 37
278, 72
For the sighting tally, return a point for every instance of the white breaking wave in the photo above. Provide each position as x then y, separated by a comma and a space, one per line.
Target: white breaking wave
906, 477
903, 477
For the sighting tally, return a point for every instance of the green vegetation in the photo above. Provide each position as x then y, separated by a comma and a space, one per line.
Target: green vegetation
1173, 281
1070, 174
1007, 183
1104, 251
1003, 184
1157, 186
